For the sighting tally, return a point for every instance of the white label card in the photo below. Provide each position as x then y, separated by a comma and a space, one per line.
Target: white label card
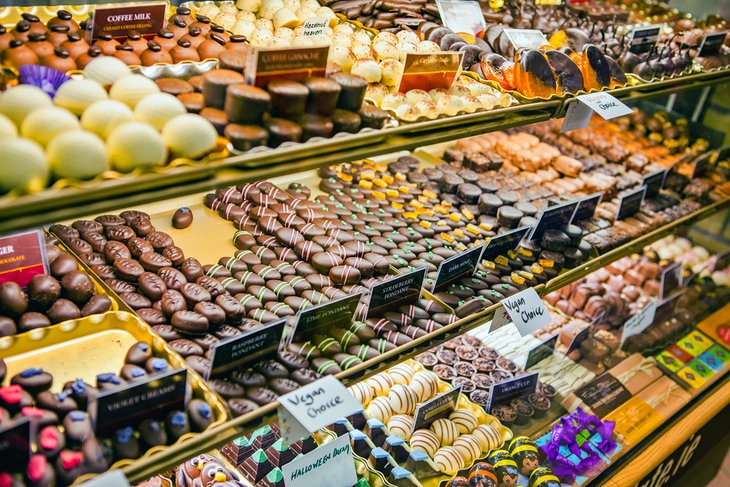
314, 406
115, 478
315, 26
579, 112
639, 322
330, 465
526, 310
462, 16
526, 38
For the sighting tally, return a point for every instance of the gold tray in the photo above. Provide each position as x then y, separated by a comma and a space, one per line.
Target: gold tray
96, 344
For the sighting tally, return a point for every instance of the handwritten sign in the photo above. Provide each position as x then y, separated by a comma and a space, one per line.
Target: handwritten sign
393, 293
671, 280
644, 38
129, 404
429, 71
456, 267
501, 244
314, 406
330, 465
22, 256
639, 322
541, 352
587, 207
526, 38
631, 203
579, 112
654, 182
526, 310
147, 19
435, 408
315, 26
554, 217
711, 44
462, 16
505, 391
15, 445
247, 347
293, 63
333, 314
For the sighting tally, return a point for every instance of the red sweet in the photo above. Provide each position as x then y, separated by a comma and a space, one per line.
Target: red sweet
71, 459
49, 438
36, 468
724, 333
11, 394
30, 411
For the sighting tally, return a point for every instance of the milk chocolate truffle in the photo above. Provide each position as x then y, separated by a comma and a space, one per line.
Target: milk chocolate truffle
352, 93
288, 98
212, 47
245, 137
17, 54
245, 104
106, 43
282, 130
77, 47
63, 18
39, 44
372, 116
182, 218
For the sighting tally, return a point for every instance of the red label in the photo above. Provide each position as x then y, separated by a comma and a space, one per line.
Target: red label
146, 19
264, 65
680, 354
430, 71
22, 256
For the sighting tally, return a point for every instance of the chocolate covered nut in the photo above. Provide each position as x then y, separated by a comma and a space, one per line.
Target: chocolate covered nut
152, 316
171, 302
77, 286
33, 380
189, 322
173, 278
345, 274
175, 254
195, 293
128, 269
153, 262
43, 291
192, 269
182, 218
62, 265
63, 310
138, 354
159, 240
138, 246
186, 347
135, 300
152, 286
213, 313
121, 233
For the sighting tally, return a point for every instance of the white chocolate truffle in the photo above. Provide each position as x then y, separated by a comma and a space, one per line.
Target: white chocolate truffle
488, 436
293, 5
376, 92
77, 154
131, 89
269, 8
189, 136
243, 15
228, 8
425, 385
407, 36
341, 40
158, 109
471, 104
459, 90
401, 373
407, 113
261, 38
244, 28
470, 446
368, 69
45, 123
105, 70
327, 13
402, 399
379, 408
427, 46
383, 51
305, 13
342, 56
380, 384
249, 5
449, 460
361, 37
445, 430
8, 130
344, 29
103, 116
23, 165
18, 102
227, 21
362, 52
450, 105
427, 109
208, 9
284, 33
414, 96
487, 101
393, 101
279, 42
388, 37
301, 41
425, 441
310, 4
506, 100
265, 24
362, 392
465, 420
286, 18
436, 94
406, 47
401, 425
78, 94
321, 40
135, 144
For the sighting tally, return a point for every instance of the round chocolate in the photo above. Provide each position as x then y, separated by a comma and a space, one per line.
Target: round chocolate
43, 291
182, 218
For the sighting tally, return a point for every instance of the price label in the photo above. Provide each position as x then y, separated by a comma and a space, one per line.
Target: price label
554, 217
315, 26
333, 314
147, 19
671, 280
114, 478
393, 293
314, 406
644, 38
526, 310
330, 465
22, 256
587, 207
605, 105
462, 16
129, 404
431, 71
711, 44
15, 445
501, 244
654, 182
639, 322
631, 203
435, 408
247, 347
541, 352
293, 63
505, 391
526, 38
456, 267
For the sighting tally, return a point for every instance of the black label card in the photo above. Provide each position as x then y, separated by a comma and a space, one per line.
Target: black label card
554, 217
644, 38
541, 352
438, 407
505, 391
630, 203
711, 44
587, 207
456, 267
671, 280
603, 394
334, 314
15, 446
146, 399
246, 347
654, 183
501, 244
579, 338
398, 291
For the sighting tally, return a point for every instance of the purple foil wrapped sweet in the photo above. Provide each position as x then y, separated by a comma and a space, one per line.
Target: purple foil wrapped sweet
43, 77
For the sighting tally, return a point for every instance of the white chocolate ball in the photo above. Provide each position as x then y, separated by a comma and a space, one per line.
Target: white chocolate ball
269, 8
414, 96
293, 5
23, 165
406, 47
427, 46
284, 33
134, 144
393, 101
376, 92
265, 24
103, 116
77, 94
18, 102
388, 37
243, 15
425, 384
244, 28
279, 42
488, 436
131, 89
425, 441
158, 109
401, 373
305, 13
301, 41
362, 51
189, 136
427, 109
286, 18
261, 38
8, 130
46, 123
465, 420
407, 36
209, 10
445, 430
227, 21
361, 37
362, 392
368, 69
105, 70
407, 113
402, 399
401, 425
379, 408
77, 154
249, 5
327, 13
344, 28
384, 50
449, 460
310, 4
228, 8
